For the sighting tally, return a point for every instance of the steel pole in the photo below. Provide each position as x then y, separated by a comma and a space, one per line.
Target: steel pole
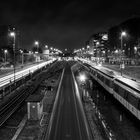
121, 53
5, 57
22, 58
14, 57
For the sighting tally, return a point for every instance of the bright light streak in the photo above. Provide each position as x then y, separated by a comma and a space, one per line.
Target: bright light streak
6, 79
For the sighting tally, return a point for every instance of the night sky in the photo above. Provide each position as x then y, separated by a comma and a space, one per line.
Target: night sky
63, 23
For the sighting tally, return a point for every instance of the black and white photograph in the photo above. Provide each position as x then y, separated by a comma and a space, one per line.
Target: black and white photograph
69, 70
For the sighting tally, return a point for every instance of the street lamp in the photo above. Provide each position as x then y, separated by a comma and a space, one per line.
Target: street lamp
97, 103
22, 55
37, 45
12, 34
46, 46
97, 52
123, 34
5, 52
82, 77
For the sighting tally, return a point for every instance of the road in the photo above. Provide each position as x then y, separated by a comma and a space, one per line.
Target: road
68, 123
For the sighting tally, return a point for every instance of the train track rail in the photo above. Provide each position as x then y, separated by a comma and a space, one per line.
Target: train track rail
9, 108
20, 95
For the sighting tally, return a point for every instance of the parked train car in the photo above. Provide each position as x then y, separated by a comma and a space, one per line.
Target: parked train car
104, 79
126, 91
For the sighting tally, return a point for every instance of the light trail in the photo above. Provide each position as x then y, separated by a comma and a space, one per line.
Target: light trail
10, 78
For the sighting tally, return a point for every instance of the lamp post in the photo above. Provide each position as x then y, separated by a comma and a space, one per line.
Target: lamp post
37, 45
5, 52
83, 78
88, 46
97, 102
12, 34
46, 46
123, 34
22, 57
97, 52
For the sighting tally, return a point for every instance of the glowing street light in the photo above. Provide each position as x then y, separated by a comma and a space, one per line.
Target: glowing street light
5, 52
37, 45
97, 43
30, 52
123, 34
116, 51
13, 35
88, 46
135, 49
21, 51
46, 46
82, 77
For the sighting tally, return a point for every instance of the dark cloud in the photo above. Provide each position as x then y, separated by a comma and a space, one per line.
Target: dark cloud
64, 23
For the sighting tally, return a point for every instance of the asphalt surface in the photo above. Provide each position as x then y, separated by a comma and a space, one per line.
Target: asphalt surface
68, 123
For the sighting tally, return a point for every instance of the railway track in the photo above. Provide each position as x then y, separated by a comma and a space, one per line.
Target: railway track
10, 114
7, 110
13, 103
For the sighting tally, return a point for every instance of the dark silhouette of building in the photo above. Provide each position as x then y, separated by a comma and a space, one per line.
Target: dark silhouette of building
131, 43
7, 41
